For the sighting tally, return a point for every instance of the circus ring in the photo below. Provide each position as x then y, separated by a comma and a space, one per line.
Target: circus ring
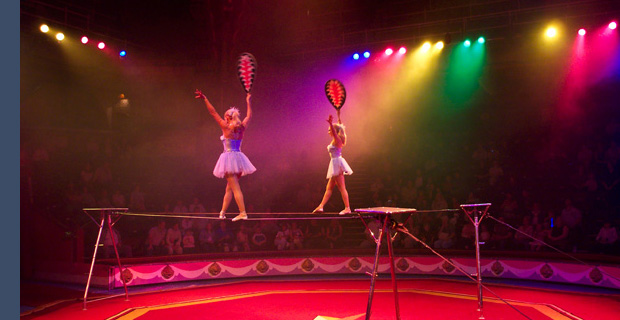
334, 285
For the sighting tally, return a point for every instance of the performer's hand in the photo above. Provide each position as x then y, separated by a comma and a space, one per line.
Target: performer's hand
247, 97
330, 119
199, 94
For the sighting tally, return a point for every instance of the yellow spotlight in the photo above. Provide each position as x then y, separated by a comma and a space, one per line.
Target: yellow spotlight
439, 45
60, 36
551, 32
44, 28
426, 46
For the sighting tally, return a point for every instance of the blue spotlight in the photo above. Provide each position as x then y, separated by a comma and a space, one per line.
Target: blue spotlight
367, 54
481, 40
467, 43
122, 53
356, 56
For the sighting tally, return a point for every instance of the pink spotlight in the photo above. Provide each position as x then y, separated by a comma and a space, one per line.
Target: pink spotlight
101, 45
402, 50
84, 40
389, 51
582, 32
612, 25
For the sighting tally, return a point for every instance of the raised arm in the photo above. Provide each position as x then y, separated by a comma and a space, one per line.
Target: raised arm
335, 135
216, 116
249, 113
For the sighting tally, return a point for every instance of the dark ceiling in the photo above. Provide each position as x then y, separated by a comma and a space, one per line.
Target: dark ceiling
211, 29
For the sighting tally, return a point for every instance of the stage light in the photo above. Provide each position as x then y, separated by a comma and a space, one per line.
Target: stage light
60, 36
481, 40
84, 39
389, 51
101, 45
467, 43
402, 50
612, 25
122, 53
356, 56
551, 32
439, 45
367, 54
44, 28
426, 46
582, 32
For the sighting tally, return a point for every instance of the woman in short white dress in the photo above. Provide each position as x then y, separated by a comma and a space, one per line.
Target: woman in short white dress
338, 167
232, 163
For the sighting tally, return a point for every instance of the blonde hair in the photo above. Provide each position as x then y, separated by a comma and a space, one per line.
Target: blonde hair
231, 111
339, 127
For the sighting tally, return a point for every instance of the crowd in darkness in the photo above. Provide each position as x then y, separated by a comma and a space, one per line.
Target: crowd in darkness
567, 195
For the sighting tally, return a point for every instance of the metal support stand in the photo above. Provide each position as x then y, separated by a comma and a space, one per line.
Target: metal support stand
106, 218
384, 215
475, 214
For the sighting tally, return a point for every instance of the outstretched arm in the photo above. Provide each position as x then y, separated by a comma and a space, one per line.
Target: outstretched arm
335, 135
216, 116
249, 113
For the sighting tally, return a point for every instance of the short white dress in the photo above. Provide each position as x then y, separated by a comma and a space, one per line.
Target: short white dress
338, 165
232, 160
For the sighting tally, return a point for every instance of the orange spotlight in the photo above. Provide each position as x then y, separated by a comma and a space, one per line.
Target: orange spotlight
551, 32
44, 28
426, 46
439, 45
60, 36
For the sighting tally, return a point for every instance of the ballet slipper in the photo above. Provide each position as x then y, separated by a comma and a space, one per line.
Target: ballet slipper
222, 215
318, 210
345, 211
241, 216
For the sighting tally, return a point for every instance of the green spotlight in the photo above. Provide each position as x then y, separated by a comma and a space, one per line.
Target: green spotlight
467, 43
481, 40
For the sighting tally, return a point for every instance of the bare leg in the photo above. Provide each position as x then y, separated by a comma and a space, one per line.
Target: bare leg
227, 197
343, 192
233, 183
328, 193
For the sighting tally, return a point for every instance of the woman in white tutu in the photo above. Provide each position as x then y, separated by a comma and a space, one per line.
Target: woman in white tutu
338, 167
232, 163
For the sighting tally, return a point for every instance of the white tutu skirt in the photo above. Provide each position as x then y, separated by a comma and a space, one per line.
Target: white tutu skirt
234, 162
338, 166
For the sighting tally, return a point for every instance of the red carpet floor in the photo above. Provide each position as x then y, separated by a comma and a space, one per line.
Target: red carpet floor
346, 299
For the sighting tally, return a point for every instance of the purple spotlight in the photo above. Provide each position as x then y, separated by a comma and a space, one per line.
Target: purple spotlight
356, 56
389, 51
402, 50
367, 54
613, 25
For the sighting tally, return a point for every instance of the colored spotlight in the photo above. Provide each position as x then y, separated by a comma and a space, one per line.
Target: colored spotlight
44, 28
84, 39
439, 45
467, 43
582, 32
481, 40
402, 50
367, 54
356, 56
426, 46
60, 36
551, 32
389, 51
612, 25
101, 45
122, 53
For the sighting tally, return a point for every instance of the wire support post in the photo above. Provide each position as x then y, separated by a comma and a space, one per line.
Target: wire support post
475, 214
105, 218
384, 216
